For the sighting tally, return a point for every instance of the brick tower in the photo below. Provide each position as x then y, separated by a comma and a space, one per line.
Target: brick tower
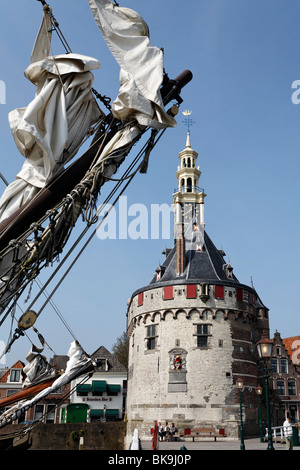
193, 329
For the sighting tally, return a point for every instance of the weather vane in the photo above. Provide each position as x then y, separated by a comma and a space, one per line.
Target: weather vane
188, 121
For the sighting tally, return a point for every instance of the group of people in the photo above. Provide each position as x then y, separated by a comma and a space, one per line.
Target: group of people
166, 432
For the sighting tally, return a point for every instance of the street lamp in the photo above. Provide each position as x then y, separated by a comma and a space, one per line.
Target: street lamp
264, 348
259, 393
240, 385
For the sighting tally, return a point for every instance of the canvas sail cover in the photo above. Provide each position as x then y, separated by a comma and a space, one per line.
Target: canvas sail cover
77, 364
38, 369
49, 131
141, 75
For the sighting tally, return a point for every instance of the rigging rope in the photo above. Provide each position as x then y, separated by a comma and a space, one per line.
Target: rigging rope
87, 228
88, 191
19, 331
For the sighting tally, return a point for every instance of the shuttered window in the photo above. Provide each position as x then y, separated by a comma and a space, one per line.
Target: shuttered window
219, 292
239, 294
168, 292
191, 291
140, 299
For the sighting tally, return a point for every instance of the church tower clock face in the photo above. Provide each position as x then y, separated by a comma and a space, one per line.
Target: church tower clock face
188, 209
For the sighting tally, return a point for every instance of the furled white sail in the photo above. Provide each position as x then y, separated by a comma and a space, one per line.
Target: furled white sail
77, 364
141, 74
49, 131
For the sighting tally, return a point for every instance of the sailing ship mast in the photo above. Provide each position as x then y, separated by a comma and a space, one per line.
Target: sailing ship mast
39, 213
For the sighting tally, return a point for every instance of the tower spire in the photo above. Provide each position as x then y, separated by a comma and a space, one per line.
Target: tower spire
188, 140
188, 175
189, 206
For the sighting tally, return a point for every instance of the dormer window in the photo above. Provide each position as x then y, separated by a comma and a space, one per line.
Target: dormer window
228, 270
15, 375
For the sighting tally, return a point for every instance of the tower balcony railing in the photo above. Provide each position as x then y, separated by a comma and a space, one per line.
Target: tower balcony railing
189, 188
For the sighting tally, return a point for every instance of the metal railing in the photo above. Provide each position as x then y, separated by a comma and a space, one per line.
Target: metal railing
189, 189
277, 431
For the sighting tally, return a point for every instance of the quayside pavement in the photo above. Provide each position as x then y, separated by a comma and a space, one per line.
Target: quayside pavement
225, 444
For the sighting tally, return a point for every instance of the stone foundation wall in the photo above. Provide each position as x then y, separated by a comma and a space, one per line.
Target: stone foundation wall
96, 436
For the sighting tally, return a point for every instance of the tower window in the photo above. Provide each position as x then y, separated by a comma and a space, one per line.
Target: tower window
189, 185
202, 335
150, 337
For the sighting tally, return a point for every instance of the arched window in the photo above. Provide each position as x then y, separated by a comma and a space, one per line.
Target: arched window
189, 185
182, 185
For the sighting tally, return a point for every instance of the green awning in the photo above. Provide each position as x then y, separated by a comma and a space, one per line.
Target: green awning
112, 412
83, 388
113, 388
96, 413
98, 386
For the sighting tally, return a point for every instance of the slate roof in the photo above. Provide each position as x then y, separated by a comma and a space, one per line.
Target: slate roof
201, 266
113, 362
206, 266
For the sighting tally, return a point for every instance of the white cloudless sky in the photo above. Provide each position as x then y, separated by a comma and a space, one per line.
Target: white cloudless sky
244, 56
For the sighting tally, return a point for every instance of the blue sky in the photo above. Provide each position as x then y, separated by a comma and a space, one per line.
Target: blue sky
244, 58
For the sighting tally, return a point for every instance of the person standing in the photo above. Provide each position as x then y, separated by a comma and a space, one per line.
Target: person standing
288, 433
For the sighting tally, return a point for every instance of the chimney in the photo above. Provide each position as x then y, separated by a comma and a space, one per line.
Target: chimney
180, 250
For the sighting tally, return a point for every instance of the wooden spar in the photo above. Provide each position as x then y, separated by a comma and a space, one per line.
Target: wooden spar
26, 393
12, 227
49, 196
32, 390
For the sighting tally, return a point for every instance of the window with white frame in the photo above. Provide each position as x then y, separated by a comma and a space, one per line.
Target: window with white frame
202, 334
38, 411
50, 416
291, 387
151, 334
280, 387
274, 365
15, 375
283, 366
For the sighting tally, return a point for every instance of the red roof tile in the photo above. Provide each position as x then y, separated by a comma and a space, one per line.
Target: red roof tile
17, 365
